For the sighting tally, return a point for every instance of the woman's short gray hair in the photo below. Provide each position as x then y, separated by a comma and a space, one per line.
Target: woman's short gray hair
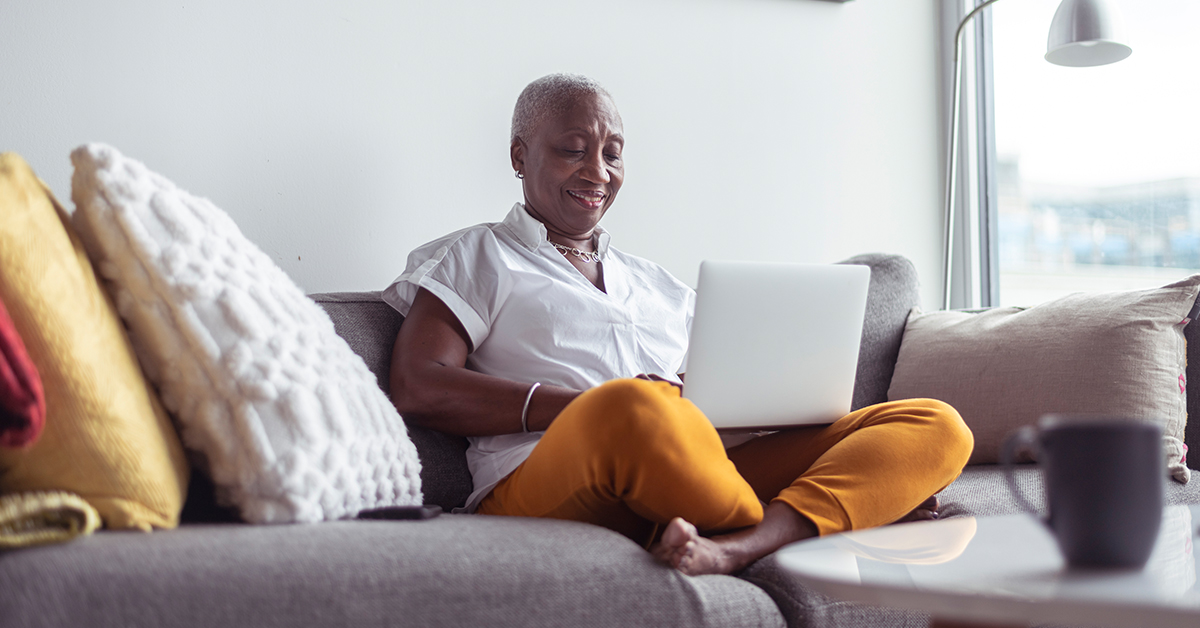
549, 96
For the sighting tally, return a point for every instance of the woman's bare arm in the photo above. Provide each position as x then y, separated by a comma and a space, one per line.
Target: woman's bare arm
431, 385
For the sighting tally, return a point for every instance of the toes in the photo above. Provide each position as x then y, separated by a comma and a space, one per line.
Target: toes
682, 558
679, 532
677, 544
925, 511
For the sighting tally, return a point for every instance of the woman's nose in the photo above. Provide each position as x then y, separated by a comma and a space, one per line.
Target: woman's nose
595, 170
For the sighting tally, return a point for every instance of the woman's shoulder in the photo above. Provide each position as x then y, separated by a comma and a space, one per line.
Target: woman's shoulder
473, 240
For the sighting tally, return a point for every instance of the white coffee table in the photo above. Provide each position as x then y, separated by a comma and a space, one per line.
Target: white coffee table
1003, 570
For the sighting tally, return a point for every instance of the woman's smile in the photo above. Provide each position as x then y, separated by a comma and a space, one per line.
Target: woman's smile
589, 199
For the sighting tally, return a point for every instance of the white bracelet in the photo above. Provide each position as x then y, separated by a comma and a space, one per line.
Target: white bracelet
525, 410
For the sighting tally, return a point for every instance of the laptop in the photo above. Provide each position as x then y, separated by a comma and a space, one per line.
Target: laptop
775, 344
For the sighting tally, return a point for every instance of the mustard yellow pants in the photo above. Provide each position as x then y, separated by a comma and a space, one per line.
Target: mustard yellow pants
631, 455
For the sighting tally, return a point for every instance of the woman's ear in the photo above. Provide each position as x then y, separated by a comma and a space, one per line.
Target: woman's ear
517, 152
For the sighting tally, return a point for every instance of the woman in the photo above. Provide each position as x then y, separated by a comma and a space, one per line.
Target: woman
557, 355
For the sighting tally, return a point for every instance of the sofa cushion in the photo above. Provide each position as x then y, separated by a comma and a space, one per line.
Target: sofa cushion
287, 420
106, 437
1115, 353
453, 570
370, 326
893, 292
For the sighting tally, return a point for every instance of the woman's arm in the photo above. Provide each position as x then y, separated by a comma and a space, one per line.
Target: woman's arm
431, 385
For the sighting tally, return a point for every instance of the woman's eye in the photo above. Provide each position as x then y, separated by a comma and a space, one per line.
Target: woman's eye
613, 157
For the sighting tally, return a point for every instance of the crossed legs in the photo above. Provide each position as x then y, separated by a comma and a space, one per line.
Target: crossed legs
633, 456
875, 466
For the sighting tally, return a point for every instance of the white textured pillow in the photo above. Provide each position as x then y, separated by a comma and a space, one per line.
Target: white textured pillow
290, 423
1119, 353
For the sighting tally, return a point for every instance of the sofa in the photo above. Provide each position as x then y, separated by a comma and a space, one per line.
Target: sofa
460, 569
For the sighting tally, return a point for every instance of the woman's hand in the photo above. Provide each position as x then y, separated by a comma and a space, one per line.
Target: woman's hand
651, 377
431, 386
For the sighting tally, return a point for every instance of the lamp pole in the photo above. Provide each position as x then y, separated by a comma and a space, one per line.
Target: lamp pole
1083, 33
952, 154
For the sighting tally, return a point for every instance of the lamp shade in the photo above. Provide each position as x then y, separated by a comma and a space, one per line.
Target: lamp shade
1085, 33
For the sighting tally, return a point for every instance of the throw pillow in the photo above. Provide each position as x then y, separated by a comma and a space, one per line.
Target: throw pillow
1117, 353
288, 421
22, 401
106, 437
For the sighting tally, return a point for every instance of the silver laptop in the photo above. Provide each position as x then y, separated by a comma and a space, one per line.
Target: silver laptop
775, 344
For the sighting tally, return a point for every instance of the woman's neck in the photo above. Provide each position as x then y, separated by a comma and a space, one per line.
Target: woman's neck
583, 244
582, 241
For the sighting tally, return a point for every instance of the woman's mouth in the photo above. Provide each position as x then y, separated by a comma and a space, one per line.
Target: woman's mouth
590, 199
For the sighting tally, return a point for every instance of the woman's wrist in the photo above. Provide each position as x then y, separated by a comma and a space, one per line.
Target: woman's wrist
545, 404
525, 410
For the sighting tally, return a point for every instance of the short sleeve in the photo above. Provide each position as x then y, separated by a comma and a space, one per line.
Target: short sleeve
465, 270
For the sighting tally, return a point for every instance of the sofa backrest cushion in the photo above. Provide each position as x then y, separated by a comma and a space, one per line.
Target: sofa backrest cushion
893, 292
369, 325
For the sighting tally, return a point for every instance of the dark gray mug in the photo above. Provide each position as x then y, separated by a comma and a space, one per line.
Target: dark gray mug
1104, 485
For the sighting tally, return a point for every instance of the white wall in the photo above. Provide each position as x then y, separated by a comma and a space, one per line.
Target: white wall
340, 135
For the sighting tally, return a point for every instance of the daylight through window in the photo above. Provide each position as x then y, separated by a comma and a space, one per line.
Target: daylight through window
1098, 169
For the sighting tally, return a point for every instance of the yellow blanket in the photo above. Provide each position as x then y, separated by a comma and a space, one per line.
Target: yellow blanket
36, 518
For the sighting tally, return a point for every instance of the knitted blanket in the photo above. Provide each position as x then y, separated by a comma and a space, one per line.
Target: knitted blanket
28, 519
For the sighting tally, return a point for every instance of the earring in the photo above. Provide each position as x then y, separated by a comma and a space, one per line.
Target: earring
518, 175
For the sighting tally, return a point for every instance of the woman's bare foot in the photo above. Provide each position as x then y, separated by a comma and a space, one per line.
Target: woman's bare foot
927, 511
683, 548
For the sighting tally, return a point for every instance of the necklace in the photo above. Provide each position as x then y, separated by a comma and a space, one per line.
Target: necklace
586, 256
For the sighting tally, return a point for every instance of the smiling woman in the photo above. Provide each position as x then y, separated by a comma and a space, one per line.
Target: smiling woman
560, 358
566, 146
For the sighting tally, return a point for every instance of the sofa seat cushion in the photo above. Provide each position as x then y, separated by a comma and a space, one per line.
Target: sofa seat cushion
454, 570
981, 491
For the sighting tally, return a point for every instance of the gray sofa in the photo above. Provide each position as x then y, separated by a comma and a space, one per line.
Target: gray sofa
457, 570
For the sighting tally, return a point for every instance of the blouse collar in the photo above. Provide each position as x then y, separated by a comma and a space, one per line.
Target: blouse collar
531, 233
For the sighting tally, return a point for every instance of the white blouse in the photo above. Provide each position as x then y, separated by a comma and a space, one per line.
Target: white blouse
533, 317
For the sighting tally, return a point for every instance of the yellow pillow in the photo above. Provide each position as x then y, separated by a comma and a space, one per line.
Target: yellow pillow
107, 437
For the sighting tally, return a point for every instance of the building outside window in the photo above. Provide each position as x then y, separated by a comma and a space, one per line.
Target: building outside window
1097, 169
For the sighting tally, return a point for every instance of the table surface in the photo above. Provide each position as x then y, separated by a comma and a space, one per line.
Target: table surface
1003, 570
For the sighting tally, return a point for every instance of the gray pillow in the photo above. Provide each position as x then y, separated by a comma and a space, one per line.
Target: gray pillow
1117, 353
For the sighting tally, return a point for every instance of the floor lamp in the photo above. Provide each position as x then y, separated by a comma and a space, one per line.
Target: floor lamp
1083, 33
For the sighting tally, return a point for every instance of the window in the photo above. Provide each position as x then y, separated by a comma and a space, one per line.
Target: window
1097, 170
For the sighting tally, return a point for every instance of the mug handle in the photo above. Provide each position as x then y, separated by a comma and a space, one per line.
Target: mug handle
1024, 438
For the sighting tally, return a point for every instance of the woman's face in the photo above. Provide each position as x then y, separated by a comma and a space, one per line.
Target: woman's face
572, 166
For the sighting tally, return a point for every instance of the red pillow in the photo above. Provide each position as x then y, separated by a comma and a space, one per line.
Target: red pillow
22, 403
